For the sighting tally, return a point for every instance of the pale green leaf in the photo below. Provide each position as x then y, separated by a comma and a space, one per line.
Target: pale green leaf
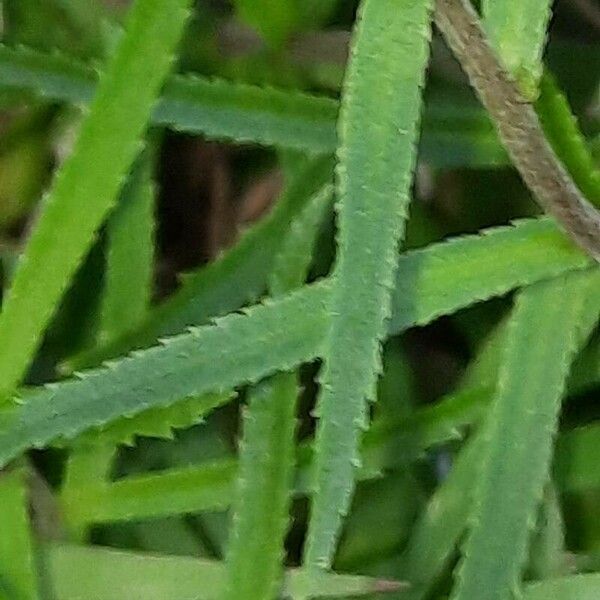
177, 491
245, 113
129, 277
283, 333
562, 130
517, 29
18, 577
86, 187
550, 321
105, 574
575, 587
382, 93
260, 520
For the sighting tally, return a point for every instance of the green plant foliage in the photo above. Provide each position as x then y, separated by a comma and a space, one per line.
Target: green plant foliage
112, 575
374, 176
240, 112
18, 577
263, 491
563, 132
576, 587
518, 31
204, 273
261, 508
235, 278
107, 144
185, 365
129, 278
519, 430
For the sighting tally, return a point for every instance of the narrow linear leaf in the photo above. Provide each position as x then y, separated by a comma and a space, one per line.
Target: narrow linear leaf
293, 259
518, 125
439, 528
382, 93
260, 521
547, 554
105, 574
237, 349
274, 338
524, 252
548, 324
158, 422
267, 451
90, 178
577, 465
575, 587
177, 491
562, 129
190, 490
18, 578
130, 255
243, 113
517, 29
88, 464
235, 278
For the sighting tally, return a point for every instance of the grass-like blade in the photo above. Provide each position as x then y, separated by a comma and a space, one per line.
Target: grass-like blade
517, 29
106, 574
237, 277
440, 526
524, 252
18, 576
260, 521
129, 255
177, 491
574, 587
240, 348
274, 338
267, 450
382, 93
547, 326
107, 144
562, 130
243, 113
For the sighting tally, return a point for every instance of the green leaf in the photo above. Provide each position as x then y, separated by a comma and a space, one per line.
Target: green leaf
267, 451
382, 94
73, 25
254, 561
562, 130
158, 422
517, 29
549, 323
18, 578
283, 333
275, 20
293, 260
237, 349
438, 529
575, 587
129, 274
235, 278
105, 574
547, 555
107, 144
244, 113
577, 465
177, 491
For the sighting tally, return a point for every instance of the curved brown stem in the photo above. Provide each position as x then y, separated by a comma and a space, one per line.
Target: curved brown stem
518, 125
